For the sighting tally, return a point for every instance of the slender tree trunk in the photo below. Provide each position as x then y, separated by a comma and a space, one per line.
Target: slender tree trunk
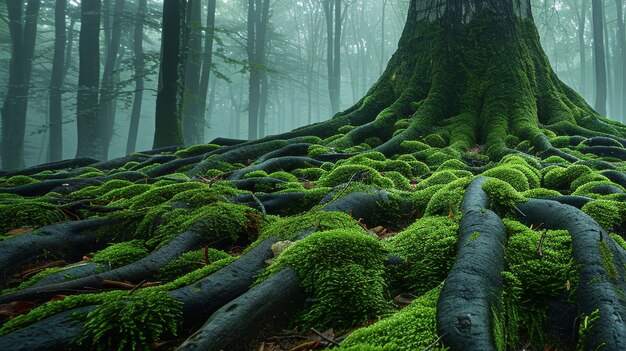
107, 98
201, 106
582, 46
258, 20
599, 55
23, 31
621, 38
131, 143
254, 80
383, 40
88, 120
191, 120
333, 40
263, 51
169, 104
55, 147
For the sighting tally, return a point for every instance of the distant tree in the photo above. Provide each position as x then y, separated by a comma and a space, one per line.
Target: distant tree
599, 55
139, 66
332, 12
23, 30
88, 119
621, 43
193, 127
169, 103
55, 147
107, 91
258, 21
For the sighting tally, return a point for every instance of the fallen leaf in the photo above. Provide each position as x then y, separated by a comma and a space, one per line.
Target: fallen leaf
20, 231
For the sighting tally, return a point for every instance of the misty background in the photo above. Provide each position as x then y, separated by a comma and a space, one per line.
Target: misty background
295, 65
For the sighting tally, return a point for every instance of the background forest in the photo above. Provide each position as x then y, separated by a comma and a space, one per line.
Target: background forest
295, 69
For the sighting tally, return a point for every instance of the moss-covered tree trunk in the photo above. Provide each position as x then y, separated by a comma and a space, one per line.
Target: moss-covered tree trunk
469, 182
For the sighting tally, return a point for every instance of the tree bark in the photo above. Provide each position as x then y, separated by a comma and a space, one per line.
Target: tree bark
55, 147
599, 55
192, 124
168, 126
90, 137
23, 31
131, 143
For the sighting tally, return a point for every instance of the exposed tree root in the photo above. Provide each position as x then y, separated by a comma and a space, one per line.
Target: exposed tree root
601, 270
71, 238
258, 312
471, 292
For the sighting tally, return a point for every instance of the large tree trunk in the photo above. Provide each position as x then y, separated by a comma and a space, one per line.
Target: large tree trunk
168, 126
139, 73
55, 147
23, 31
88, 120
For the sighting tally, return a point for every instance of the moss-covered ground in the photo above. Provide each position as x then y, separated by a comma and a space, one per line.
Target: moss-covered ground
475, 99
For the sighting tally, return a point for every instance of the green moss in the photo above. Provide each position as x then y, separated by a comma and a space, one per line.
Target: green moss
99, 190
607, 259
373, 142
189, 262
502, 196
282, 175
427, 249
421, 198
127, 192
539, 193
220, 222
609, 214
441, 177
412, 328
17, 180
588, 189
359, 173
452, 165
345, 129
411, 146
556, 159
516, 178
132, 323
121, 254
435, 140
196, 150
342, 270
28, 214
310, 174
448, 198
160, 194
289, 228
255, 174
541, 275
399, 181
592, 177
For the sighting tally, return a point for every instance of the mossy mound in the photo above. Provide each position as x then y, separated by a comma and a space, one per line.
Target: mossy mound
28, 213
413, 328
343, 272
427, 249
